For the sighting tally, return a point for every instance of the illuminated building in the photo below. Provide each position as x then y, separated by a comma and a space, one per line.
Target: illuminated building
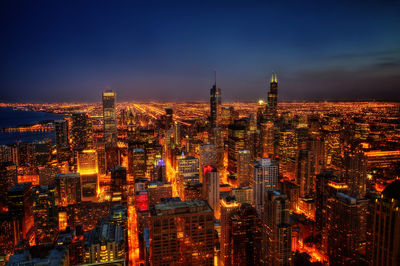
44, 214
118, 179
8, 178
355, 165
236, 142
62, 141
271, 112
105, 243
88, 169
243, 169
188, 166
109, 117
169, 113
101, 158
208, 156
7, 243
260, 112
181, 233
131, 126
47, 174
87, 214
267, 139
211, 188
386, 227
346, 227
243, 194
138, 164
157, 191
153, 156
68, 187
277, 233
81, 132
246, 236
265, 178
228, 115
287, 148
192, 190
378, 158
20, 202
305, 173
228, 207
160, 171
215, 105
291, 190
42, 152
73, 240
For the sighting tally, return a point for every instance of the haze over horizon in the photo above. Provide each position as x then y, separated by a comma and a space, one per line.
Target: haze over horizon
72, 51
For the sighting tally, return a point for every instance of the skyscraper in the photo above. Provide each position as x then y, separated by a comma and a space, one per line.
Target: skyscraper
88, 169
211, 188
271, 112
68, 187
181, 233
277, 233
215, 105
228, 208
386, 227
109, 117
62, 142
81, 131
265, 178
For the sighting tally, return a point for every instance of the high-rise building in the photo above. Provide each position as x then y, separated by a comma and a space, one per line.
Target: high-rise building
8, 178
20, 202
208, 156
109, 117
386, 227
211, 188
81, 132
44, 214
346, 227
305, 173
243, 170
267, 139
68, 187
88, 169
228, 208
277, 233
243, 194
265, 178
62, 141
355, 165
246, 236
138, 163
181, 233
188, 166
157, 191
287, 149
271, 112
236, 142
215, 105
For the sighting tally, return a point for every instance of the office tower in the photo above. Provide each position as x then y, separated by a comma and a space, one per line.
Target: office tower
243, 170
20, 202
101, 157
153, 153
8, 178
138, 164
346, 228
228, 208
211, 188
305, 173
105, 243
68, 187
42, 152
236, 142
291, 190
169, 113
157, 191
355, 165
7, 223
246, 236
62, 141
81, 132
181, 233
287, 149
47, 174
260, 112
215, 105
243, 194
228, 115
277, 234
208, 156
267, 139
188, 165
44, 214
265, 178
109, 117
386, 227
88, 170
271, 112
118, 179
217, 138
131, 126
160, 171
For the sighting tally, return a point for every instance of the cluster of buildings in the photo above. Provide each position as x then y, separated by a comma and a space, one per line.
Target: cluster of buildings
271, 188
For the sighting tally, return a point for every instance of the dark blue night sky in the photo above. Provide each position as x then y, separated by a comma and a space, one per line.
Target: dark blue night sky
72, 50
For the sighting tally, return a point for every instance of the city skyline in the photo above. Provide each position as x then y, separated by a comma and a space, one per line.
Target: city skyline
168, 51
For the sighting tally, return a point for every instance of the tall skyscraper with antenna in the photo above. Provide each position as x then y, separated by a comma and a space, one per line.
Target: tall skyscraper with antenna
215, 103
271, 112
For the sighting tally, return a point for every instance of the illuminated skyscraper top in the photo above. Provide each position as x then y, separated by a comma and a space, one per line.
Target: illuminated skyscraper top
215, 104
109, 116
271, 107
